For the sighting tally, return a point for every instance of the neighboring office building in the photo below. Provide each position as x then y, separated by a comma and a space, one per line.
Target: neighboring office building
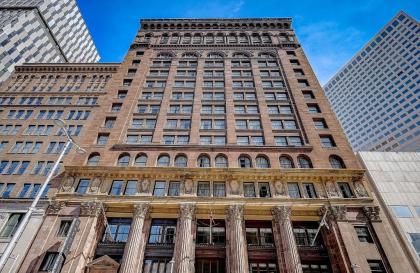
30, 142
47, 31
396, 180
376, 94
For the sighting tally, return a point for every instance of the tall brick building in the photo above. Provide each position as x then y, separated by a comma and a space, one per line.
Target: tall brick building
212, 148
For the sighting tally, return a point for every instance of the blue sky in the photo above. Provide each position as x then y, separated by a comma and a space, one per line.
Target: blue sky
330, 31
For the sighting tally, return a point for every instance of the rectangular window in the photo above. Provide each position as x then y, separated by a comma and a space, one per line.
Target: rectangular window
210, 233
11, 225
83, 186
249, 189
162, 231
402, 211
48, 261
363, 234
8, 190
376, 266
203, 189
327, 141
64, 228
309, 190
345, 189
102, 139
174, 187
159, 189
117, 230
131, 188
116, 188
219, 189
293, 189
264, 189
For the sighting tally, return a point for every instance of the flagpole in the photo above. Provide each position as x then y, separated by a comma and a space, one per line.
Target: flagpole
321, 224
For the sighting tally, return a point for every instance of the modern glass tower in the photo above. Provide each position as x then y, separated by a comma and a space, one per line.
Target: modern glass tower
376, 94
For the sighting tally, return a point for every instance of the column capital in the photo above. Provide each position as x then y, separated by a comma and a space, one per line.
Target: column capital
282, 213
236, 211
91, 208
187, 210
372, 213
141, 209
334, 213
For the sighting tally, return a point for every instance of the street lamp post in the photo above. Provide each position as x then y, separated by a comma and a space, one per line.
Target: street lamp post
8, 251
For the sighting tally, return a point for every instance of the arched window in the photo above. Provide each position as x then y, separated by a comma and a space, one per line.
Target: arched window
262, 162
336, 162
286, 162
203, 161
266, 55
181, 161
164, 55
304, 162
240, 55
93, 159
244, 162
163, 161
140, 160
123, 160
214, 55
221, 161
189, 55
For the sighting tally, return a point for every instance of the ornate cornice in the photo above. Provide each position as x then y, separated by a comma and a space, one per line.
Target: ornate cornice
67, 68
216, 24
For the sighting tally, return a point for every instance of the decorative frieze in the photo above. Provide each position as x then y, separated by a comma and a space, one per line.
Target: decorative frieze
55, 207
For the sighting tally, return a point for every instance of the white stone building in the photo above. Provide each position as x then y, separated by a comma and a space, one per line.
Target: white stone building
395, 178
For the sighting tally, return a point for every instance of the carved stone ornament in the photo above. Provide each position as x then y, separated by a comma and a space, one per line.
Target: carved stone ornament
234, 186
331, 189
141, 210
55, 207
3, 215
188, 186
372, 213
236, 212
360, 189
280, 188
90, 208
96, 184
187, 210
145, 185
334, 213
68, 184
281, 213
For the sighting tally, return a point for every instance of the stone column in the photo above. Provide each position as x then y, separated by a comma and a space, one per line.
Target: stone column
237, 253
286, 243
184, 251
134, 249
